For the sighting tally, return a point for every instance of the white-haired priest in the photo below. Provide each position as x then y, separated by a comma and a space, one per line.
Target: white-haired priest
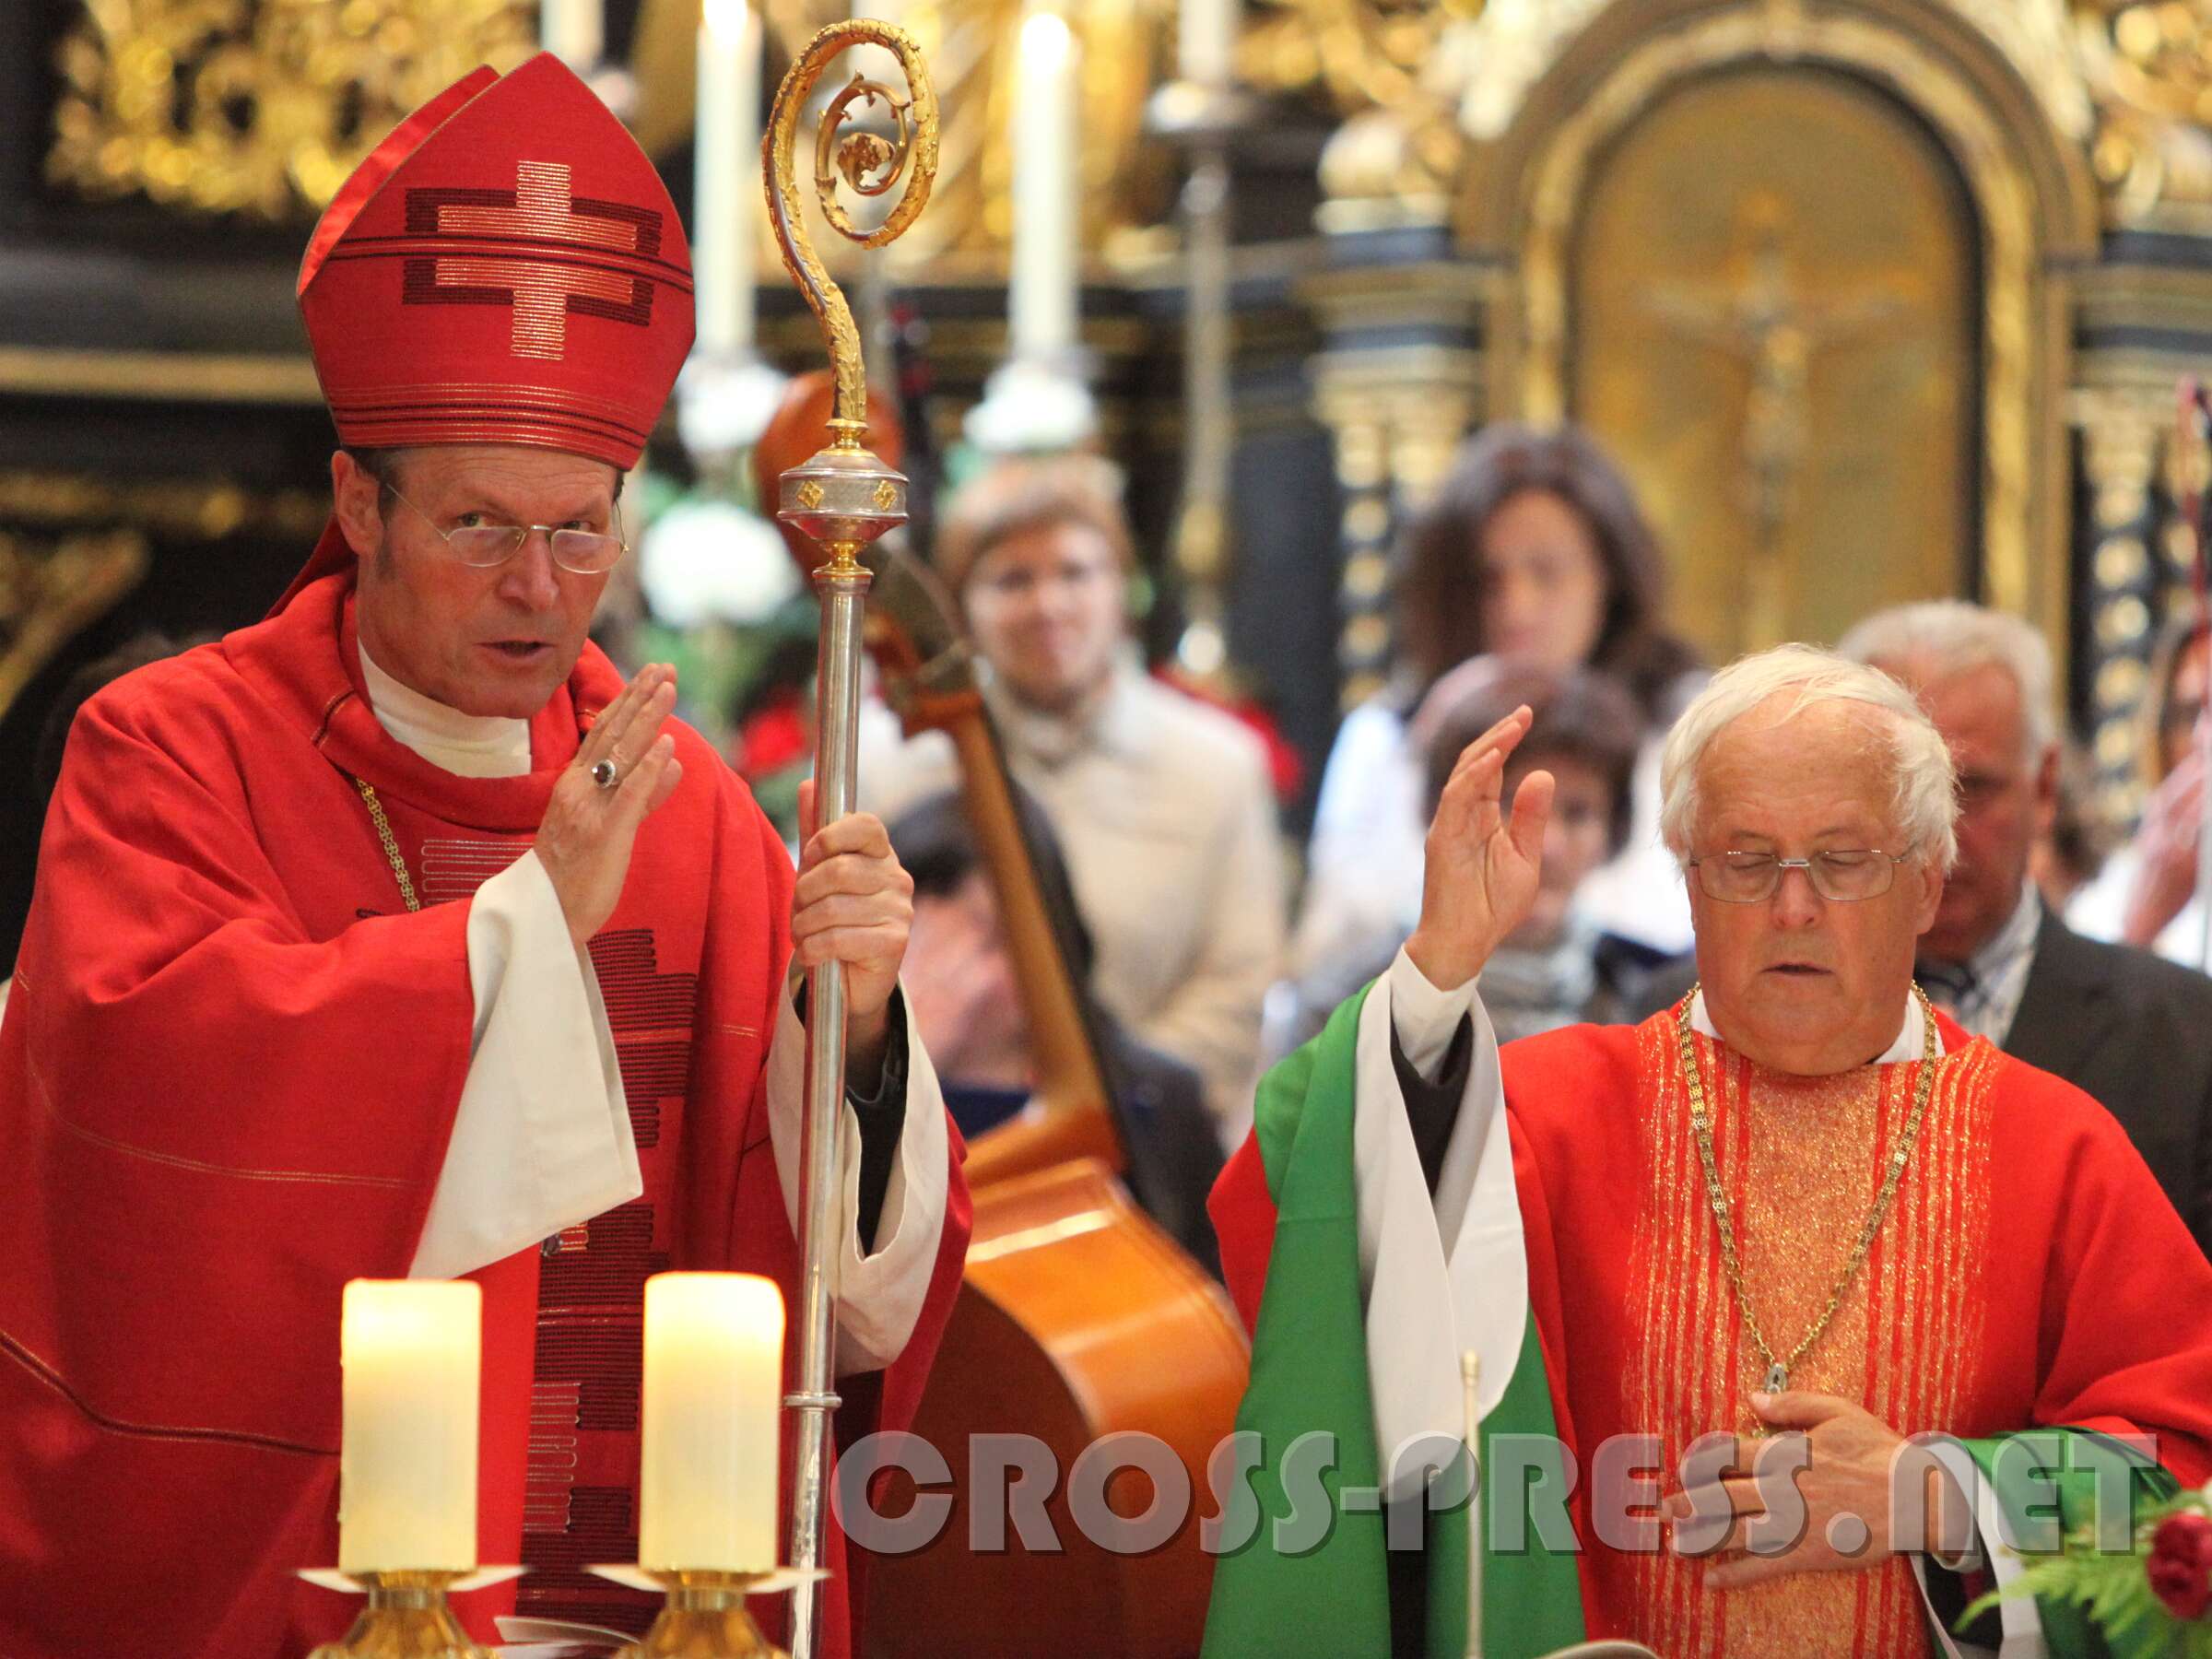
1799, 1200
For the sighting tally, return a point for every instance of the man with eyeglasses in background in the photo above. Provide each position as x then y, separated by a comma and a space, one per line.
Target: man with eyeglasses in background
2123, 1025
399, 936
1800, 1201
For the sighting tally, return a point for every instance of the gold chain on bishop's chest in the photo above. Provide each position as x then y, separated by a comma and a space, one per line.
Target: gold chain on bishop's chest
383, 834
1778, 1369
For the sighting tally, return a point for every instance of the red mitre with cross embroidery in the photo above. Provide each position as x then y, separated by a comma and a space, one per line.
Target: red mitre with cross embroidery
506, 267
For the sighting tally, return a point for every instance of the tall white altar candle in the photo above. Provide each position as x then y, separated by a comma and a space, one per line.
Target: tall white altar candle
412, 1351
726, 172
1206, 40
575, 31
713, 1388
1047, 189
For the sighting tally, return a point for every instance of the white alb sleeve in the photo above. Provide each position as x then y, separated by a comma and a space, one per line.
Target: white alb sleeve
1425, 1017
542, 1138
878, 1294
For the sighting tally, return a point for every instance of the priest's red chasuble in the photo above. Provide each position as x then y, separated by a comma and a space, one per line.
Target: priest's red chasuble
2029, 1272
229, 1071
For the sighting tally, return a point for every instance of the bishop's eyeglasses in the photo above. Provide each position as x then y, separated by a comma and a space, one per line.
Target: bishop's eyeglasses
584, 552
1843, 875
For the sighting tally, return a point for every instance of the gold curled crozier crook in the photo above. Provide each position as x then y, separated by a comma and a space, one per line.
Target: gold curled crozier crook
842, 499
869, 163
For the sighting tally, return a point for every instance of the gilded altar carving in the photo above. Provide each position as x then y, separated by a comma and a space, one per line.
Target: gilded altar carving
261, 107
71, 544
2149, 64
971, 47
2128, 80
51, 587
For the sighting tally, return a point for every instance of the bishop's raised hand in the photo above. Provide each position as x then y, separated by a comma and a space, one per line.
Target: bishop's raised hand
1479, 880
586, 838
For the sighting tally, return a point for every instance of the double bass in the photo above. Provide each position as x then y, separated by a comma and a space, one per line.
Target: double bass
1079, 1317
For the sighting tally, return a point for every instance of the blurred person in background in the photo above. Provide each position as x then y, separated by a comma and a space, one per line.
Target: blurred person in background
1532, 547
1561, 966
2068, 856
2117, 1023
2146, 895
1162, 804
964, 991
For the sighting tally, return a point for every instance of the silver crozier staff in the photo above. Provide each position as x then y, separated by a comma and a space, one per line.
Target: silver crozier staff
843, 498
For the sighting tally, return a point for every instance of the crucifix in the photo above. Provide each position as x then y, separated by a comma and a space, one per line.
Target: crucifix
1766, 323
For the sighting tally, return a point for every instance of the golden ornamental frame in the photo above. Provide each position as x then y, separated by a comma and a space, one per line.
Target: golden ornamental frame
2035, 201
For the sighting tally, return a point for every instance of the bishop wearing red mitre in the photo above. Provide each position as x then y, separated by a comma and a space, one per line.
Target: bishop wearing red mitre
398, 935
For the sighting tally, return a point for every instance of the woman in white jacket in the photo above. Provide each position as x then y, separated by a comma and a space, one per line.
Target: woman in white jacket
1533, 547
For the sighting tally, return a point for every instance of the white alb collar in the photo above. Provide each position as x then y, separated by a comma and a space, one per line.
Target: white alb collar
469, 745
1912, 1037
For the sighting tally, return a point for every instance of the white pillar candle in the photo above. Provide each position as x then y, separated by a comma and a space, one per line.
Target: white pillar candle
713, 1391
726, 174
1206, 41
1047, 189
575, 31
412, 1351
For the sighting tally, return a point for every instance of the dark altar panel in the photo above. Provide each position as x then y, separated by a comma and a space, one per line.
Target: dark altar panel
163, 445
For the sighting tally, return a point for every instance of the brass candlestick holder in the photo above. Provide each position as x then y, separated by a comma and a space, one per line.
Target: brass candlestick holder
407, 1616
705, 1616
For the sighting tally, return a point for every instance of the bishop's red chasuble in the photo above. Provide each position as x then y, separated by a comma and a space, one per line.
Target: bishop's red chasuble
228, 1073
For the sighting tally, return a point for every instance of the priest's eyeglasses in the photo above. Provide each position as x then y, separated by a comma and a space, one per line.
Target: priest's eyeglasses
1842, 875
584, 552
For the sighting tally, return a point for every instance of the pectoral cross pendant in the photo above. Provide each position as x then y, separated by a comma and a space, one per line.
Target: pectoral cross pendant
1778, 1378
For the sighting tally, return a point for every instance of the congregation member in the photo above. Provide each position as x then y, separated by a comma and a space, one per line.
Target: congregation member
1560, 967
2124, 1027
2146, 895
1532, 547
964, 984
1162, 804
399, 936
1803, 1200
2069, 855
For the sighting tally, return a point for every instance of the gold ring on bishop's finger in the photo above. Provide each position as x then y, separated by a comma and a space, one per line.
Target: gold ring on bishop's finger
606, 774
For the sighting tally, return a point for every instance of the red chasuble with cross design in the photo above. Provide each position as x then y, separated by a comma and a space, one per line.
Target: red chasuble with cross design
228, 1073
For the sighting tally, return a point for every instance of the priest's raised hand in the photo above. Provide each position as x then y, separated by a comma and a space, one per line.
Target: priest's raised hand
586, 838
1481, 876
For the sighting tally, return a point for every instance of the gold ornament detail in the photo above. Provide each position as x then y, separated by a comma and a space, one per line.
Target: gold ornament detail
389, 844
2149, 65
51, 589
972, 47
810, 495
260, 107
887, 495
74, 544
869, 164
